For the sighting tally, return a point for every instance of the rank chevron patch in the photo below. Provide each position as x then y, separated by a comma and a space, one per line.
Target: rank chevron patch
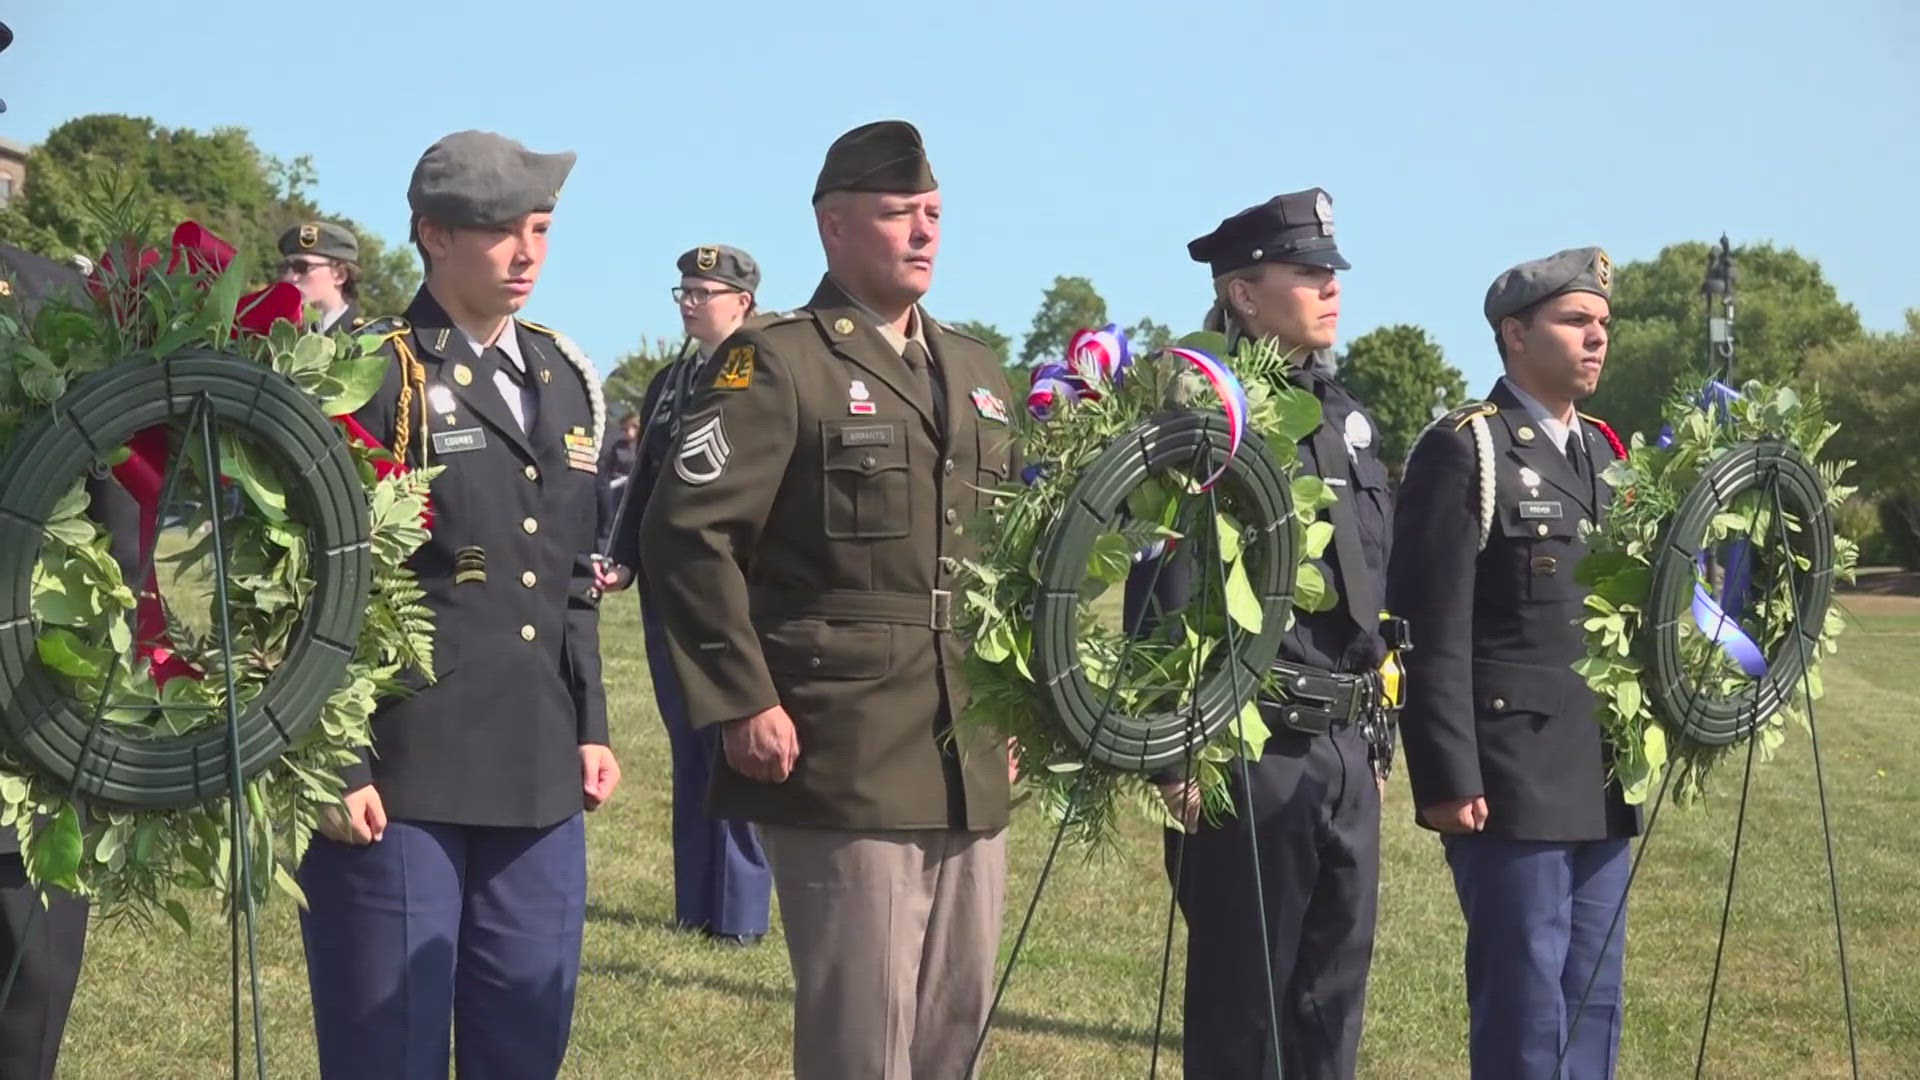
703, 452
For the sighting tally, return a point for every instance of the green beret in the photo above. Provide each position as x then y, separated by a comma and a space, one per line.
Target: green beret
726, 265
1584, 269
322, 238
886, 155
474, 178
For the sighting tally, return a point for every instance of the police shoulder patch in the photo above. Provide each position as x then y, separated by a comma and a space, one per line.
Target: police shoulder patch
736, 368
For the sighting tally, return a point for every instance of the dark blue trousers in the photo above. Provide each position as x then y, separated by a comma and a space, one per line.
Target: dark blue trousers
1316, 815
721, 882
1537, 917
443, 930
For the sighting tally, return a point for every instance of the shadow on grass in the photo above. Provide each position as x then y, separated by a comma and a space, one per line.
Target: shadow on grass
1113, 1032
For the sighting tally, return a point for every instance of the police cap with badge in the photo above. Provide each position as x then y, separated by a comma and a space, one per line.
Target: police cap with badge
723, 264
1585, 269
1293, 228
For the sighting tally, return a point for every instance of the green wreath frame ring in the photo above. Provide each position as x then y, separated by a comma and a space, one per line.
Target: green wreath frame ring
1166, 441
49, 729
1693, 713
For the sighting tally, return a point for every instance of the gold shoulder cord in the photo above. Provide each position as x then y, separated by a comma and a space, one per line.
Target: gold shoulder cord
413, 375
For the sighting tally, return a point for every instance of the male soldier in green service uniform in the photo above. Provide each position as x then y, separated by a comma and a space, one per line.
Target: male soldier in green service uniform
799, 548
322, 260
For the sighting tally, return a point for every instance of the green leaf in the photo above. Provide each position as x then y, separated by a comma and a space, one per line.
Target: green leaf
1601, 565
54, 851
1297, 414
1311, 495
994, 646
358, 381
178, 912
72, 532
72, 504
246, 464
1242, 605
1111, 559
1210, 342
1627, 700
288, 885
1629, 586
67, 654
1319, 534
1311, 592
1229, 536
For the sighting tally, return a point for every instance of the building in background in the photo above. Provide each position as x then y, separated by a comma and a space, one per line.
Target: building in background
13, 169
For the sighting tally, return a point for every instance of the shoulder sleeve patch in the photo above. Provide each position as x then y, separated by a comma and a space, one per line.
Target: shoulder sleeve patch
736, 368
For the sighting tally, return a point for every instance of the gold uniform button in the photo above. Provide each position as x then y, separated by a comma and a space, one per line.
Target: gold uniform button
527, 578
532, 473
533, 526
526, 632
952, 515
947, 466
1499, 703
1541, 529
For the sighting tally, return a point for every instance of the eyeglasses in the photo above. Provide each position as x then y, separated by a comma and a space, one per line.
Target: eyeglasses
301, 267
699, 297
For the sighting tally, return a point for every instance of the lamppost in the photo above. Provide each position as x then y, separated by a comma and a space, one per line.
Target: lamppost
1718, 289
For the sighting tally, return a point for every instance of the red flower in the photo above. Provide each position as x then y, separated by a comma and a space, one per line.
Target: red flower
258, 311
201, 251
382, 467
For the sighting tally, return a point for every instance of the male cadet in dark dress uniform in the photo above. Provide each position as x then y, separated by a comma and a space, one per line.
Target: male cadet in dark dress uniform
722, 886
1505, 755
799, 551
454, 888
322, 260
47, 940
1314, 793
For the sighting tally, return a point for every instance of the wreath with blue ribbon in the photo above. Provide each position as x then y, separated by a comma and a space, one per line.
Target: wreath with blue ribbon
1711, 584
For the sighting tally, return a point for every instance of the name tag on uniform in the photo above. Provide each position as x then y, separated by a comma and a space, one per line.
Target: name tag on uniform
866, 436
454, 442
1544, 509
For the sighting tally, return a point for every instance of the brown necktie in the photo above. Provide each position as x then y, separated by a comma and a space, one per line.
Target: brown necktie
915, 354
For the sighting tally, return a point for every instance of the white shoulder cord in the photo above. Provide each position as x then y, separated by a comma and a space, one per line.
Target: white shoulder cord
591, 378
1483, 455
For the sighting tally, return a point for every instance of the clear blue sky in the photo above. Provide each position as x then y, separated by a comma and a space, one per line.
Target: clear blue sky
1070, 138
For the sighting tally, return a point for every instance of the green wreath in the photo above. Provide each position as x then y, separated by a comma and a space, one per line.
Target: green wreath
1732, 507
1180, 668
164, 676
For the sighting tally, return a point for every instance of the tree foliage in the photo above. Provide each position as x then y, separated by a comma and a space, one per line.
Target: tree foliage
1001, 344
219, 178
1402, 377
1785, 310
1070, 304
1872, 388
626, 387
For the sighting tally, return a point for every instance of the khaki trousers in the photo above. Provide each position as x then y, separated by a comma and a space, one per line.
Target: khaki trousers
893, 938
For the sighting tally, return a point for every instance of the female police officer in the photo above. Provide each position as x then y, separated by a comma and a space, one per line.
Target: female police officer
1310, 810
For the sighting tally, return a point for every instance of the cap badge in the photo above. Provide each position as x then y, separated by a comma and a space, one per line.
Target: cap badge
1323, 210
1603, 270
706, 258
463, 374
309, 235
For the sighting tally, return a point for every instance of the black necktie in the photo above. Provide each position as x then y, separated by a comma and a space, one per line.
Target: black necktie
915, 354
497, 358
1575, 455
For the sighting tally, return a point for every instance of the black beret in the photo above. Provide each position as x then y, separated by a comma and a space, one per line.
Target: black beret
473, 178
886, 155
726, 265
1584, 269
322, 238
1296, 228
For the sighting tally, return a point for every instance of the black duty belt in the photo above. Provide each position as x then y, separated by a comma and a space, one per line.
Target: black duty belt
932, 610
1314, 702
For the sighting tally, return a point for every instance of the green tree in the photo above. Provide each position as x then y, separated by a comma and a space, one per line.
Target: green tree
1070, 304
1403, 378
220, 179
1147, 337
1785, 310
1001, 344
1872, 389
626, 387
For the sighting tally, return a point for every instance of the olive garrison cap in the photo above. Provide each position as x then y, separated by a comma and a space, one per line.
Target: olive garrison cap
724, 264
1295, 228
886, 155
473, 178
1584, 269
322, 238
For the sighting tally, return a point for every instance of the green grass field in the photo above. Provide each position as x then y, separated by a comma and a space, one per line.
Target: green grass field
153, 1003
